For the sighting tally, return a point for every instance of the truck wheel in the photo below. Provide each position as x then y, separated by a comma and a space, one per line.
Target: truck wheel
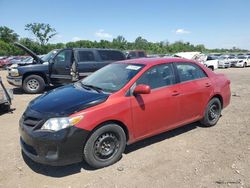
211, 68
212, 113
105, 146
33, 84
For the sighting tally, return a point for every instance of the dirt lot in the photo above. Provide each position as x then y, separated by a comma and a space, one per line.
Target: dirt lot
190, 156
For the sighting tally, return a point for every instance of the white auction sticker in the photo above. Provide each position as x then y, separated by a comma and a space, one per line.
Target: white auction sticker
133, 67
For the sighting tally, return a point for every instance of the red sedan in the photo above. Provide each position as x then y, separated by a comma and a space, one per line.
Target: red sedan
95, 118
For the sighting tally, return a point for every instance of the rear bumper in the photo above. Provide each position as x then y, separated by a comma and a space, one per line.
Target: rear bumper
15, 81
58, 148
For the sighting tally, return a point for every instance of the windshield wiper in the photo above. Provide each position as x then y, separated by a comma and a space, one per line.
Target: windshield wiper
87, 86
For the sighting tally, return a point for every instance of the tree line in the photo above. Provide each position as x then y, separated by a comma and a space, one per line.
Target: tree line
44, 32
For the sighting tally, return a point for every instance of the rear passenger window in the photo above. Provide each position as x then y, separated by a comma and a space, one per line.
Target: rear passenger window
109, 55
158, 76
132, 55
85, 56
189, 71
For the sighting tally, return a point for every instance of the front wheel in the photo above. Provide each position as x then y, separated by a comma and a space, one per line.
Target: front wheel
105, 146
33, 84
212, 113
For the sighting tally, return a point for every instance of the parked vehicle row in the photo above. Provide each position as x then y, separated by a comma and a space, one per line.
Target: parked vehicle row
214, 61
204, 59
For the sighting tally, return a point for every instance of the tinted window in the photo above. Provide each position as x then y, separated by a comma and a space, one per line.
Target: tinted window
189, 71
158, 76
131, 55
141, 54
86, 56
107, 55
209, 58
63, 58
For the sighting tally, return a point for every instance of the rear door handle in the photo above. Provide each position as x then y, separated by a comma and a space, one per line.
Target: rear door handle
207, 85
175, 93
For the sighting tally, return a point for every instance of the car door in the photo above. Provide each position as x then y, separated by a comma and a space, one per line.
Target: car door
159, 110
61, 66
86, 62
195, 88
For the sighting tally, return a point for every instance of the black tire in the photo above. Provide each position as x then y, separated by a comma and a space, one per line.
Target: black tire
245, 65
33, 84
212, 113
105, 146
211, 68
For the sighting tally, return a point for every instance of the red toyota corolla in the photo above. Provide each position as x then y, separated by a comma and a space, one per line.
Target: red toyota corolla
95, 118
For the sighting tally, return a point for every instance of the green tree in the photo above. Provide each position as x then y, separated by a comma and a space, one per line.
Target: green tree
119, 42
8, 35
140, 43
43, 32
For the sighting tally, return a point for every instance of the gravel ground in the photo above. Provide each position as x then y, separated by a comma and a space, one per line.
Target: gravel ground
190, 156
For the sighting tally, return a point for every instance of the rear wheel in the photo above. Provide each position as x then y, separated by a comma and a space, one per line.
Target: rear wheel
244, 65
212, 113
211, 68
105, 146
33, 84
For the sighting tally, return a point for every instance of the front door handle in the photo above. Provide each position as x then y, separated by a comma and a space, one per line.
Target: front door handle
67, 68
175, 93
207, 84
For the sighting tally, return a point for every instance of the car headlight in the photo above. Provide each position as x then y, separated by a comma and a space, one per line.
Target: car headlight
56, 124
14, 72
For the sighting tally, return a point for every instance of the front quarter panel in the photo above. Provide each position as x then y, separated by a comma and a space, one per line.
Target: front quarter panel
114, 109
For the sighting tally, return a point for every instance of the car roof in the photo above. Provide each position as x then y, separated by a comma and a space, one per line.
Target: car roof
90, 49
155, 61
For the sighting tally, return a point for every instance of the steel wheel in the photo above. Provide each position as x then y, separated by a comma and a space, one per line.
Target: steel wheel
106, 146
33, 84
214, 112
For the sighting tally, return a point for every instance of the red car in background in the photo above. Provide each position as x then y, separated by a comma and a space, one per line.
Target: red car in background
124, 102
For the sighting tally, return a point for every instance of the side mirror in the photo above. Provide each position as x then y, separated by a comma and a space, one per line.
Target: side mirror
51, 61
142, 89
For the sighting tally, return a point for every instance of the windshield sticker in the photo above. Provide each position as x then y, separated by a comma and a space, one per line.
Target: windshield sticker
133, 67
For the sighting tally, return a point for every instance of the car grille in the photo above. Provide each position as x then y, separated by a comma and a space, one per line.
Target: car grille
31, 121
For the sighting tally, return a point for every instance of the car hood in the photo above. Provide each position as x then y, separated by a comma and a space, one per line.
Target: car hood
67, 100
31, 53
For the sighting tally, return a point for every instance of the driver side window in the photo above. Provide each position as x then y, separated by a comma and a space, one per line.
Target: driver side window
64, 58
158, 76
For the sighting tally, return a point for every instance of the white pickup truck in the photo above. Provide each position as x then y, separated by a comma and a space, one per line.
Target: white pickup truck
207, 60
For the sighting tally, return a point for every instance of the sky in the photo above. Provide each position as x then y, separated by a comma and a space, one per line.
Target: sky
214, 23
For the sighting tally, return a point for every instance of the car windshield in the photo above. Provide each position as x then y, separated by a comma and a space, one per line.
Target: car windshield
242, 57
112, 77
50, 55
223, 57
